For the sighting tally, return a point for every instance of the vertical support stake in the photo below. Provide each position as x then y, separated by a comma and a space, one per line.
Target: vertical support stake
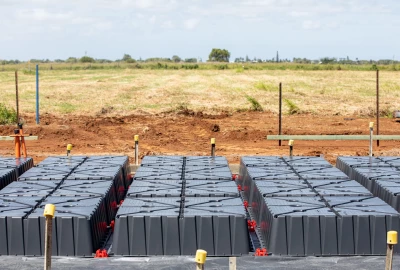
69, 148
291, 143
37, 95
136, 149
377, 105
49, 211
213, 147
16, 95
280, 112
371, 134
391, 241
232, 263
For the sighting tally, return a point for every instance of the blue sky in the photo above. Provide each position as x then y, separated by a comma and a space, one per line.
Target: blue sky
366, 29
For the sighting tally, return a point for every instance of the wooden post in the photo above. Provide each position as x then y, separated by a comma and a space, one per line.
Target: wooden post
200, 259
137, 149
377, 105
213, 147
391, 241
280, 113
232, 263
49, 211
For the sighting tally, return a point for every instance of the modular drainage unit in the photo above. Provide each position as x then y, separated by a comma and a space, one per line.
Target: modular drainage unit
12, 168
315, 211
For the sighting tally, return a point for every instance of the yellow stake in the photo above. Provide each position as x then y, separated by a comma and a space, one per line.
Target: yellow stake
49, 212
200, 259
69, 148
391, 241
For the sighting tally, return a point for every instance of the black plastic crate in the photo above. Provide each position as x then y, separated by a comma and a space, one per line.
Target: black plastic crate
348, 188
62, 161
206, 161
12, 229
347, 164
87, 188
391, 161
156, 188
29, 188
368, 176
94, 172
7, 176
21, 164
304, 161
207, 188
157, 161
77, 231
57, 173
321, 173
158, 173
389, 191
204, 172
148, 226
221, 230
213, 203
106, 161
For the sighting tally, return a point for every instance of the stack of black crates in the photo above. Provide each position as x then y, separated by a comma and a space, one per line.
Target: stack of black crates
11, 168
86, 192
303, 206
177, 205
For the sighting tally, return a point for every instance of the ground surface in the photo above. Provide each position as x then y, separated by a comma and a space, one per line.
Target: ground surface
157, 263
237, 135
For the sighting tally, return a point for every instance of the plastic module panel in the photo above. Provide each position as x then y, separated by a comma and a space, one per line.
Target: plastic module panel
29, 188
207, 161
204, 172
7, 176
159, 161
207, 188
156, 188
158, 173
304, 161
346, 164
321, 173
389, 191
58, 173
20, 164
62, 161
368, 176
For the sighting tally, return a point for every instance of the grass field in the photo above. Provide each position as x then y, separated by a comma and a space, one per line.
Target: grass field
126, 91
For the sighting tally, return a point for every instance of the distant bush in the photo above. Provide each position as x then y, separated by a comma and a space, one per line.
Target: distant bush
7, 116
87, 59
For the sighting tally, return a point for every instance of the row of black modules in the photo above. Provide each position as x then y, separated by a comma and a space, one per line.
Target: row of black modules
304, 206
177, 205
86, 192
12, 168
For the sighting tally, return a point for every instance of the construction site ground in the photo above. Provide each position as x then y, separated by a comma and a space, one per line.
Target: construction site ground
189, 133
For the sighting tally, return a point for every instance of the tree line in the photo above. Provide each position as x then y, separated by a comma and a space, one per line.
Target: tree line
216, 55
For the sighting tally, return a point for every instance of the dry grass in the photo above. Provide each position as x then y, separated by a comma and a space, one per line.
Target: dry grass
153, 91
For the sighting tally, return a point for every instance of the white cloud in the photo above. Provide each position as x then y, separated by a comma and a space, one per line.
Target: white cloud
43, 15
168, 25
311, 25
153, 19
191, 23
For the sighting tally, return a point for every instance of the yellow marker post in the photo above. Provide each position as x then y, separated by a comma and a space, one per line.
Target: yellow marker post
371, 133
213, 147
69, 148
200, 259
291, 143
391, 241
49, 211
137, 149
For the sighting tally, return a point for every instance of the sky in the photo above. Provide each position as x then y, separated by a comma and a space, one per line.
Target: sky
107, 29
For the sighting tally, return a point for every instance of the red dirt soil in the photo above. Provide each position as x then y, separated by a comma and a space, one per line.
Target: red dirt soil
189, 134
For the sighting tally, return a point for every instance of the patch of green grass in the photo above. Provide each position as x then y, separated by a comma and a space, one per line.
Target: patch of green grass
263, 86
66, 107
7, 116
293, 108
255, 105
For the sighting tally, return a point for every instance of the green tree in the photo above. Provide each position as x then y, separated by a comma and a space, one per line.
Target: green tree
219, 55
127, 58
71, 60
87, 59
176, 59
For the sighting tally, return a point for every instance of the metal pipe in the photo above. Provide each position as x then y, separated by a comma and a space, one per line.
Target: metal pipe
136, 149
37, 95
16, 95
371, 134
377, 105
213, 147
280, 112
291, 142
391, 241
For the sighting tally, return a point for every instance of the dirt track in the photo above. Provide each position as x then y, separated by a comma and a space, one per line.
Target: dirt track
190, 133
